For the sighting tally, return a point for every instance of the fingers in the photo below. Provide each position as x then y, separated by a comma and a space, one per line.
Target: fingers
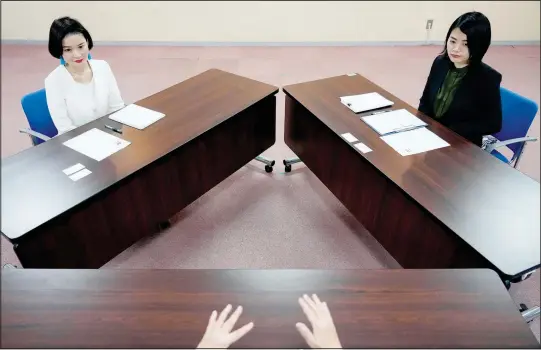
306, 334
223, 315
319, 307
230, 323
241, 332
326, 310
308, 311
212, 320
310, 301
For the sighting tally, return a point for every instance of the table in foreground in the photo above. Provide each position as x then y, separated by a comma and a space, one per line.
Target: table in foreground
215, 123
170, 308
454, 207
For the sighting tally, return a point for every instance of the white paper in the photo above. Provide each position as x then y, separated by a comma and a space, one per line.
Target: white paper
73, 169
393, 121
96, 144
414, 141
136, 116
365, 102
362, 147
349, 138
351, 74
80, 174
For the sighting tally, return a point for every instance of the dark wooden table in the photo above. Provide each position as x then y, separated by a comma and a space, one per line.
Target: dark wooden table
170, 308
215, 123
453, 207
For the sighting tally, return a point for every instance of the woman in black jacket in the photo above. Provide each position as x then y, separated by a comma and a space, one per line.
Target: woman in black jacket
462, 92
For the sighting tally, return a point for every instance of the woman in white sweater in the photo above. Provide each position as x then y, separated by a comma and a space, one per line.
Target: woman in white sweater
79, 90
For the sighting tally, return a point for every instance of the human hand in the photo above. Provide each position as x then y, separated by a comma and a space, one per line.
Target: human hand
323, 333
218, 333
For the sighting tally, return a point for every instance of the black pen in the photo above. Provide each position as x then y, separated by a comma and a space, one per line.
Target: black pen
114, 129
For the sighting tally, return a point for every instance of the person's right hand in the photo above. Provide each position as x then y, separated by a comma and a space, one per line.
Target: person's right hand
323, 333
219, 333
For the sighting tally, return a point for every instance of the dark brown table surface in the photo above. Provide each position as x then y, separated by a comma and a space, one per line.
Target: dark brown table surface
491, 206
170, 308
35, 190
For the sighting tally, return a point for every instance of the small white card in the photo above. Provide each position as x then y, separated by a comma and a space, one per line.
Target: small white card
349, 138
80, 174
362, 147
351, 74
73, 169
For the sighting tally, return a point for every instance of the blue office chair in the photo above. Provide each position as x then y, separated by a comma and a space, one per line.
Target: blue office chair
518, 114
37, 113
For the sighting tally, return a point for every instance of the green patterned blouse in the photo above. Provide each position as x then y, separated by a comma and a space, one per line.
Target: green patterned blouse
447, 90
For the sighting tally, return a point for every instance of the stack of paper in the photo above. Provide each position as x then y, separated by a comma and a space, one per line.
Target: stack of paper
365, 102
393, 122
414, 141
136, 116
97, 144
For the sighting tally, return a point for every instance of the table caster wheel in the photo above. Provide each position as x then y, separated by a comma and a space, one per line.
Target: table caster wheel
288, 168
268, 168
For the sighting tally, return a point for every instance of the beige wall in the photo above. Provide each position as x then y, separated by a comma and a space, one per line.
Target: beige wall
268, 21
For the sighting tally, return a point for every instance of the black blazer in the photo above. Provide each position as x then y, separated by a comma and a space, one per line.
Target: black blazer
476, 109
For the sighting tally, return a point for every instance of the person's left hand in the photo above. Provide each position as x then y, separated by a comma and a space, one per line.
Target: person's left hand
218, 333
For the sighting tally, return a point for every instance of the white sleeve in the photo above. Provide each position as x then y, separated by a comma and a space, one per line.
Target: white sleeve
57, 106
115, 99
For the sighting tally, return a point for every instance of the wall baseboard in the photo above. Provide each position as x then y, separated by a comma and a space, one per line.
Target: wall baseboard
270, 44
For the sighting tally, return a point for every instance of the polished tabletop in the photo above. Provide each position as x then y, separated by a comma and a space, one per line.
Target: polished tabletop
490, 205
170, 308
35, 190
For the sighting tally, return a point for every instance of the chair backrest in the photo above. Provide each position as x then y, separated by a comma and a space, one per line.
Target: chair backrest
518, 114
37, 113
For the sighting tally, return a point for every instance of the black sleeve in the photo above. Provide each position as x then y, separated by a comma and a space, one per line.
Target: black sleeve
424, 103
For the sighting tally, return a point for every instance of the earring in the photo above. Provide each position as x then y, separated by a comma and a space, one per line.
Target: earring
62, 62
89, 56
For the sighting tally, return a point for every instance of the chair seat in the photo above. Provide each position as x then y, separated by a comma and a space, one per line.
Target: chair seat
500, 156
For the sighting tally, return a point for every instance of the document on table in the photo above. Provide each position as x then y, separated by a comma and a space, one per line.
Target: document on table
414, 141
392, 122
365, 102
136, 116
97, 144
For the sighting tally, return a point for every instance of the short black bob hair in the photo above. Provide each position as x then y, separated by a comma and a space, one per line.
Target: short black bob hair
476, 26
61, 28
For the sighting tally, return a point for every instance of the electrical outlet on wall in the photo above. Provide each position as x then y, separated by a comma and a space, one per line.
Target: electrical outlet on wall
429, 23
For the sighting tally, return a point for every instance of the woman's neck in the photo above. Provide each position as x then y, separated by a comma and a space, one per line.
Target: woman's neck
460, 65
79, 69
